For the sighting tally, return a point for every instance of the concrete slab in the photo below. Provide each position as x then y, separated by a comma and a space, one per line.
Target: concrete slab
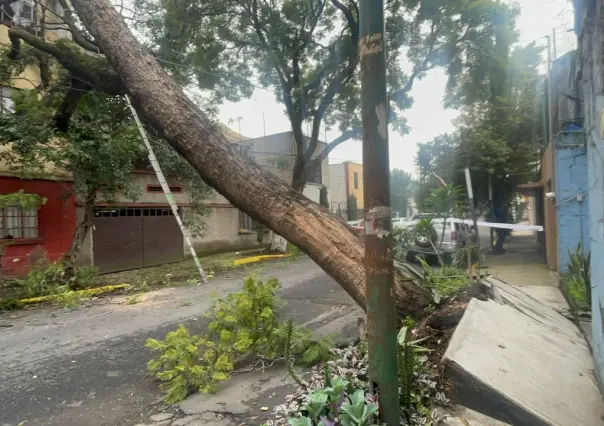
540, 312
236, 396
511, 366
343, 328
549, 296
463, 416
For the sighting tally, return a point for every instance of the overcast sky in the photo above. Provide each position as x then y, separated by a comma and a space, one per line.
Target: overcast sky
427, 117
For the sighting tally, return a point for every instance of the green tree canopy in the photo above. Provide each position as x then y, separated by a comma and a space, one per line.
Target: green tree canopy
498, 138
307, 52
402, 189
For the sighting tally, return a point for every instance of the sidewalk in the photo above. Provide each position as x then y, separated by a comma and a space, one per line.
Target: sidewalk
515, 357
523, 265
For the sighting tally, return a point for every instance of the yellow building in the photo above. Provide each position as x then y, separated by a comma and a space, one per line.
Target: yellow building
345, 179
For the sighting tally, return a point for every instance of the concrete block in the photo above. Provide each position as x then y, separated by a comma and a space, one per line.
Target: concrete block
538, 311
549, 296
511, 365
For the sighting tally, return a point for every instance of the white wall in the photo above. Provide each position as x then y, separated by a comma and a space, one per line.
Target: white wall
337, 185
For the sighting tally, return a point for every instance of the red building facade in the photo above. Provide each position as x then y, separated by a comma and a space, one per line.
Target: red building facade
48, 229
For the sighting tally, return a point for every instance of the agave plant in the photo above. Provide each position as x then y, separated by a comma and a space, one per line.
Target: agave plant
579, 273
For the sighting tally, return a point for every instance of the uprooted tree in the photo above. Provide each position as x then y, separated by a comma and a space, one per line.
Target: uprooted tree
164, 106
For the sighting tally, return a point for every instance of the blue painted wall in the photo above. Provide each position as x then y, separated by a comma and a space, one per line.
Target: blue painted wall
595, 163
571, 184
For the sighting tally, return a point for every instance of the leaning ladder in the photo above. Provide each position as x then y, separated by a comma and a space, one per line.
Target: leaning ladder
165, 188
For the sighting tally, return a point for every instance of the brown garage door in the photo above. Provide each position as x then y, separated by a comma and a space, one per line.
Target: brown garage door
131, 238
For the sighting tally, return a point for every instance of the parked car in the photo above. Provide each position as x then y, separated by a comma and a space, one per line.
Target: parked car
455, 236
417, 216
358, 226
399, 222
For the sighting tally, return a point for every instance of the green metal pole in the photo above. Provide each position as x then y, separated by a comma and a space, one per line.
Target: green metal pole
381, 311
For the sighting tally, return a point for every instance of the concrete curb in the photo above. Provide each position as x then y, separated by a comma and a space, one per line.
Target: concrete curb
88, 292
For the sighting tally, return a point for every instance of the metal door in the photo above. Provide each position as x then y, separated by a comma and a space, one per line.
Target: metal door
162, 240
118, 243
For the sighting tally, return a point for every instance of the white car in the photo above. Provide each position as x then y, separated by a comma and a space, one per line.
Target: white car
399, 222
455, 236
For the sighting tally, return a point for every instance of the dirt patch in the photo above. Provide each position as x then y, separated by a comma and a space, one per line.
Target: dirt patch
438, 327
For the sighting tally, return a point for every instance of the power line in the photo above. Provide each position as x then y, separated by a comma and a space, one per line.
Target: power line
538, 5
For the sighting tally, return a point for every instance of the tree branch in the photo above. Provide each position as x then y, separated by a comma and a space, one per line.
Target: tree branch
77, 36
69, 104
90, 68
347, 135
341, 77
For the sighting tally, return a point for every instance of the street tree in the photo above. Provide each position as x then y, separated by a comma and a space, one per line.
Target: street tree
307, 53
498, 134
435, 157
99, 146
116, 63
163, 105
500, 139
402, 188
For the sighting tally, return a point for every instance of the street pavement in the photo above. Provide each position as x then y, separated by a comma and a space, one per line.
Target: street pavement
87, 366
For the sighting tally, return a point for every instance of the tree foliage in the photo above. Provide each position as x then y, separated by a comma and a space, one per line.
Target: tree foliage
402, 187
75, 121
352, 207
499, 138
323, 198
21, 199
307, 52
243, 322
98, 148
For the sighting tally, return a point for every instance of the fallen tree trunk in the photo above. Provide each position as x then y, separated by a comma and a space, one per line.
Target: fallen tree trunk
324, 236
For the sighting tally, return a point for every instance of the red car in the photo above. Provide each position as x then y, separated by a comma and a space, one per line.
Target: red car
359, 228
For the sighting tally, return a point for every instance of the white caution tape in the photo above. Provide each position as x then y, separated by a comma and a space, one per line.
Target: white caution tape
513, 227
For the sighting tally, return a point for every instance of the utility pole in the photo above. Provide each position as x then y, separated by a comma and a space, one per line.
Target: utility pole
492, 208
471, 204
554, 44
381, 312
550, 112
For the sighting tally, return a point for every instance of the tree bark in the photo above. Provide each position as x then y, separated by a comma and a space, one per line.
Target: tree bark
70, 259
322, 235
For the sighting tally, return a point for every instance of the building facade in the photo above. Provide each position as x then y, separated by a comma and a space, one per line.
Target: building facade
589, 27
277, 153
345, 180
26, 234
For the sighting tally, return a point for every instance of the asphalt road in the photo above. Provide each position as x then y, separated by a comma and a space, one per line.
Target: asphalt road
87, 366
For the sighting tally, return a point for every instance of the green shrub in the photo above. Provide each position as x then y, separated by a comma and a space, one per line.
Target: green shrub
460, 257
402, 240
46, 279
446, 282
240, 323
293, 250
578, 278
179, 365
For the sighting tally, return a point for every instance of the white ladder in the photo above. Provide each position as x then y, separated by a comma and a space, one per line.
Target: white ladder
166, 189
